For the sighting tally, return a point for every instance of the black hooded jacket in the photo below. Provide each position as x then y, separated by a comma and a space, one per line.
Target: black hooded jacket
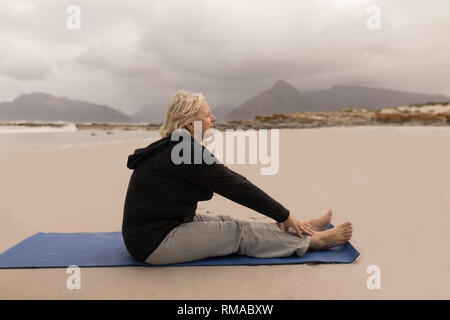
162, 195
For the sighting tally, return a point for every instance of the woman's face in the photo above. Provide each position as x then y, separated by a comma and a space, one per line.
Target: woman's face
206, 117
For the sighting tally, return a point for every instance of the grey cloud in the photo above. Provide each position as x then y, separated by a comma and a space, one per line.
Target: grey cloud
22, 72
146, 50
23, 61
120, 61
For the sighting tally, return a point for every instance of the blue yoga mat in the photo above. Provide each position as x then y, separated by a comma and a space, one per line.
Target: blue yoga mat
106, 249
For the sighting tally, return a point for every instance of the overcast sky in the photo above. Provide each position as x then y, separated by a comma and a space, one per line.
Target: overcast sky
129, 54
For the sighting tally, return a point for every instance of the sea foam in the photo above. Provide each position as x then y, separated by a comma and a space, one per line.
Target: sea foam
20, 128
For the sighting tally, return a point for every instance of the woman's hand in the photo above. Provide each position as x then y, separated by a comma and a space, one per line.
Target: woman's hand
295, 224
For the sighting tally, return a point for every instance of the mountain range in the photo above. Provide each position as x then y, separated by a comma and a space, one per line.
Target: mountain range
41, 106
282, 97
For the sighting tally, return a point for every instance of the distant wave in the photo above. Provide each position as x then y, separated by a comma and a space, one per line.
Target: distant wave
20, 128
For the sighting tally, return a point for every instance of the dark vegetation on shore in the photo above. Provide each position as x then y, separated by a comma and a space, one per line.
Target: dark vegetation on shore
409, 115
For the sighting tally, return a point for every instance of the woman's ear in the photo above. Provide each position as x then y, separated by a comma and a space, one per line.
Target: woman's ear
189, 127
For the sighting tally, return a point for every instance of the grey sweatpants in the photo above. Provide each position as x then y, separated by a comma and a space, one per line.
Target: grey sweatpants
209, 236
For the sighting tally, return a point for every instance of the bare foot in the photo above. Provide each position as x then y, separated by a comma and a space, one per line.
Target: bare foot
331, 237
320, 223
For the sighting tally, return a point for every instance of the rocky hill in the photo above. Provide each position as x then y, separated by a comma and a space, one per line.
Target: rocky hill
426, 114
285, 98
41, 106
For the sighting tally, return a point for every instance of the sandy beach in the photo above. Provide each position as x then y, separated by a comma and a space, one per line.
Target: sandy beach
392, 183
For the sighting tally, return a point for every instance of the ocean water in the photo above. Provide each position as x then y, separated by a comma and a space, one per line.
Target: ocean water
13, 138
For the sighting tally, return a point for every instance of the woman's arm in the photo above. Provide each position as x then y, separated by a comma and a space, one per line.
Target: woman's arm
224, 181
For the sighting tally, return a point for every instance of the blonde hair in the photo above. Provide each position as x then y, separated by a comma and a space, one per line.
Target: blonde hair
182, 109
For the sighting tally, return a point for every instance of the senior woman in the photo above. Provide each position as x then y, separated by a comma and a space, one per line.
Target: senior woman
160, 223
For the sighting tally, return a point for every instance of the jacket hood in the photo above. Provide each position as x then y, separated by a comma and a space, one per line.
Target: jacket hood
141, 154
